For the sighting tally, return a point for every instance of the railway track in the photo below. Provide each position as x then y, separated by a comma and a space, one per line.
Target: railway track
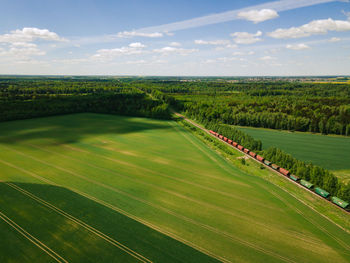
268, 167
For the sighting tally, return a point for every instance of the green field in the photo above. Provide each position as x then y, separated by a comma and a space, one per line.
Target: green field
330, 152
103, 188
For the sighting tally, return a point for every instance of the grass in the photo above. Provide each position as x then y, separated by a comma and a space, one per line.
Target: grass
153, 187
330, 152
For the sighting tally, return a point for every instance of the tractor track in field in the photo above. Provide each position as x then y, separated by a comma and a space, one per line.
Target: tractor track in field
204, 204
79, 222
312, 222
175, 179
32, 239
166, 210
185, 170
121, 211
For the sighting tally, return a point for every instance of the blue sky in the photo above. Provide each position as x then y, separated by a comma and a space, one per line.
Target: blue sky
207, 37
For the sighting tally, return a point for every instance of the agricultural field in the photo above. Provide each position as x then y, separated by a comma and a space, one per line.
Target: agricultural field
330, 152
104, 188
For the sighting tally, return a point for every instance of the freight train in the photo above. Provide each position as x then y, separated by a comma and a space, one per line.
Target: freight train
319, 191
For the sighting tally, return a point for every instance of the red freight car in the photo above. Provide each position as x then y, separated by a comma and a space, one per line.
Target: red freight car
259, 158
240, 147
252, 154
284, 171
220, 136
234, 144
246, 150
225, 139
212, 132
216, 134
229, 141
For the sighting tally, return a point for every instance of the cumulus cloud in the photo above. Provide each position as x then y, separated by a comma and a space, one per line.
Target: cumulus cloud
298, 46
108, 54
126, 34
137, 45
175, 44
258, 16
174, 50
212, 42
313, 28
22, 52
334, 39
239, 53
29, 34
267, 58
246, 38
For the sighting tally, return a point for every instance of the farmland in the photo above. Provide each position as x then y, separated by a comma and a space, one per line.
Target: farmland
330, 152
94, 187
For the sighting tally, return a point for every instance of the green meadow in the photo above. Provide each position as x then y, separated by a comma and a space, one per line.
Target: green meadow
330, 152
104, 188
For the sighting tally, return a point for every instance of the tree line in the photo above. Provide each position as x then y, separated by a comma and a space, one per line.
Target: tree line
36, 98
315, 174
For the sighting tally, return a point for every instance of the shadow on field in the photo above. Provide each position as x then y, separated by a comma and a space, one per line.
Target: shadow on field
146, 241
72, 128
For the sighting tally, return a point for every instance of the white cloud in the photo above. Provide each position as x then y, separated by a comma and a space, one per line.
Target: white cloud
29, 34
231, 46
174, 50
213, 42
108, 54
136, 62
139, 34
239, 53
23, 44
246, 38
313, 28
334, 39
347, 14
228, 59
258, 16
267, 58
278, 6
175, 44
298, 46
22, 52
137, 45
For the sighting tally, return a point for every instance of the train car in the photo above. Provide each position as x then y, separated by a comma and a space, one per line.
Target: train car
234, 144
212, 132
284, 171
252, 154
294, 177
246, 150
340, 202
225, 139
229, 141
268, 163
259, 158
321, 192
274, 166
240, 147
221, 137
306, 184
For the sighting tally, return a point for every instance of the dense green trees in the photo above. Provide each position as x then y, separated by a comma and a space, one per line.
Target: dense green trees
313, 107
22, 98
235, 135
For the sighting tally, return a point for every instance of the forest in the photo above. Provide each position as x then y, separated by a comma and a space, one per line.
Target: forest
217, 104
22, 98
307, 107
